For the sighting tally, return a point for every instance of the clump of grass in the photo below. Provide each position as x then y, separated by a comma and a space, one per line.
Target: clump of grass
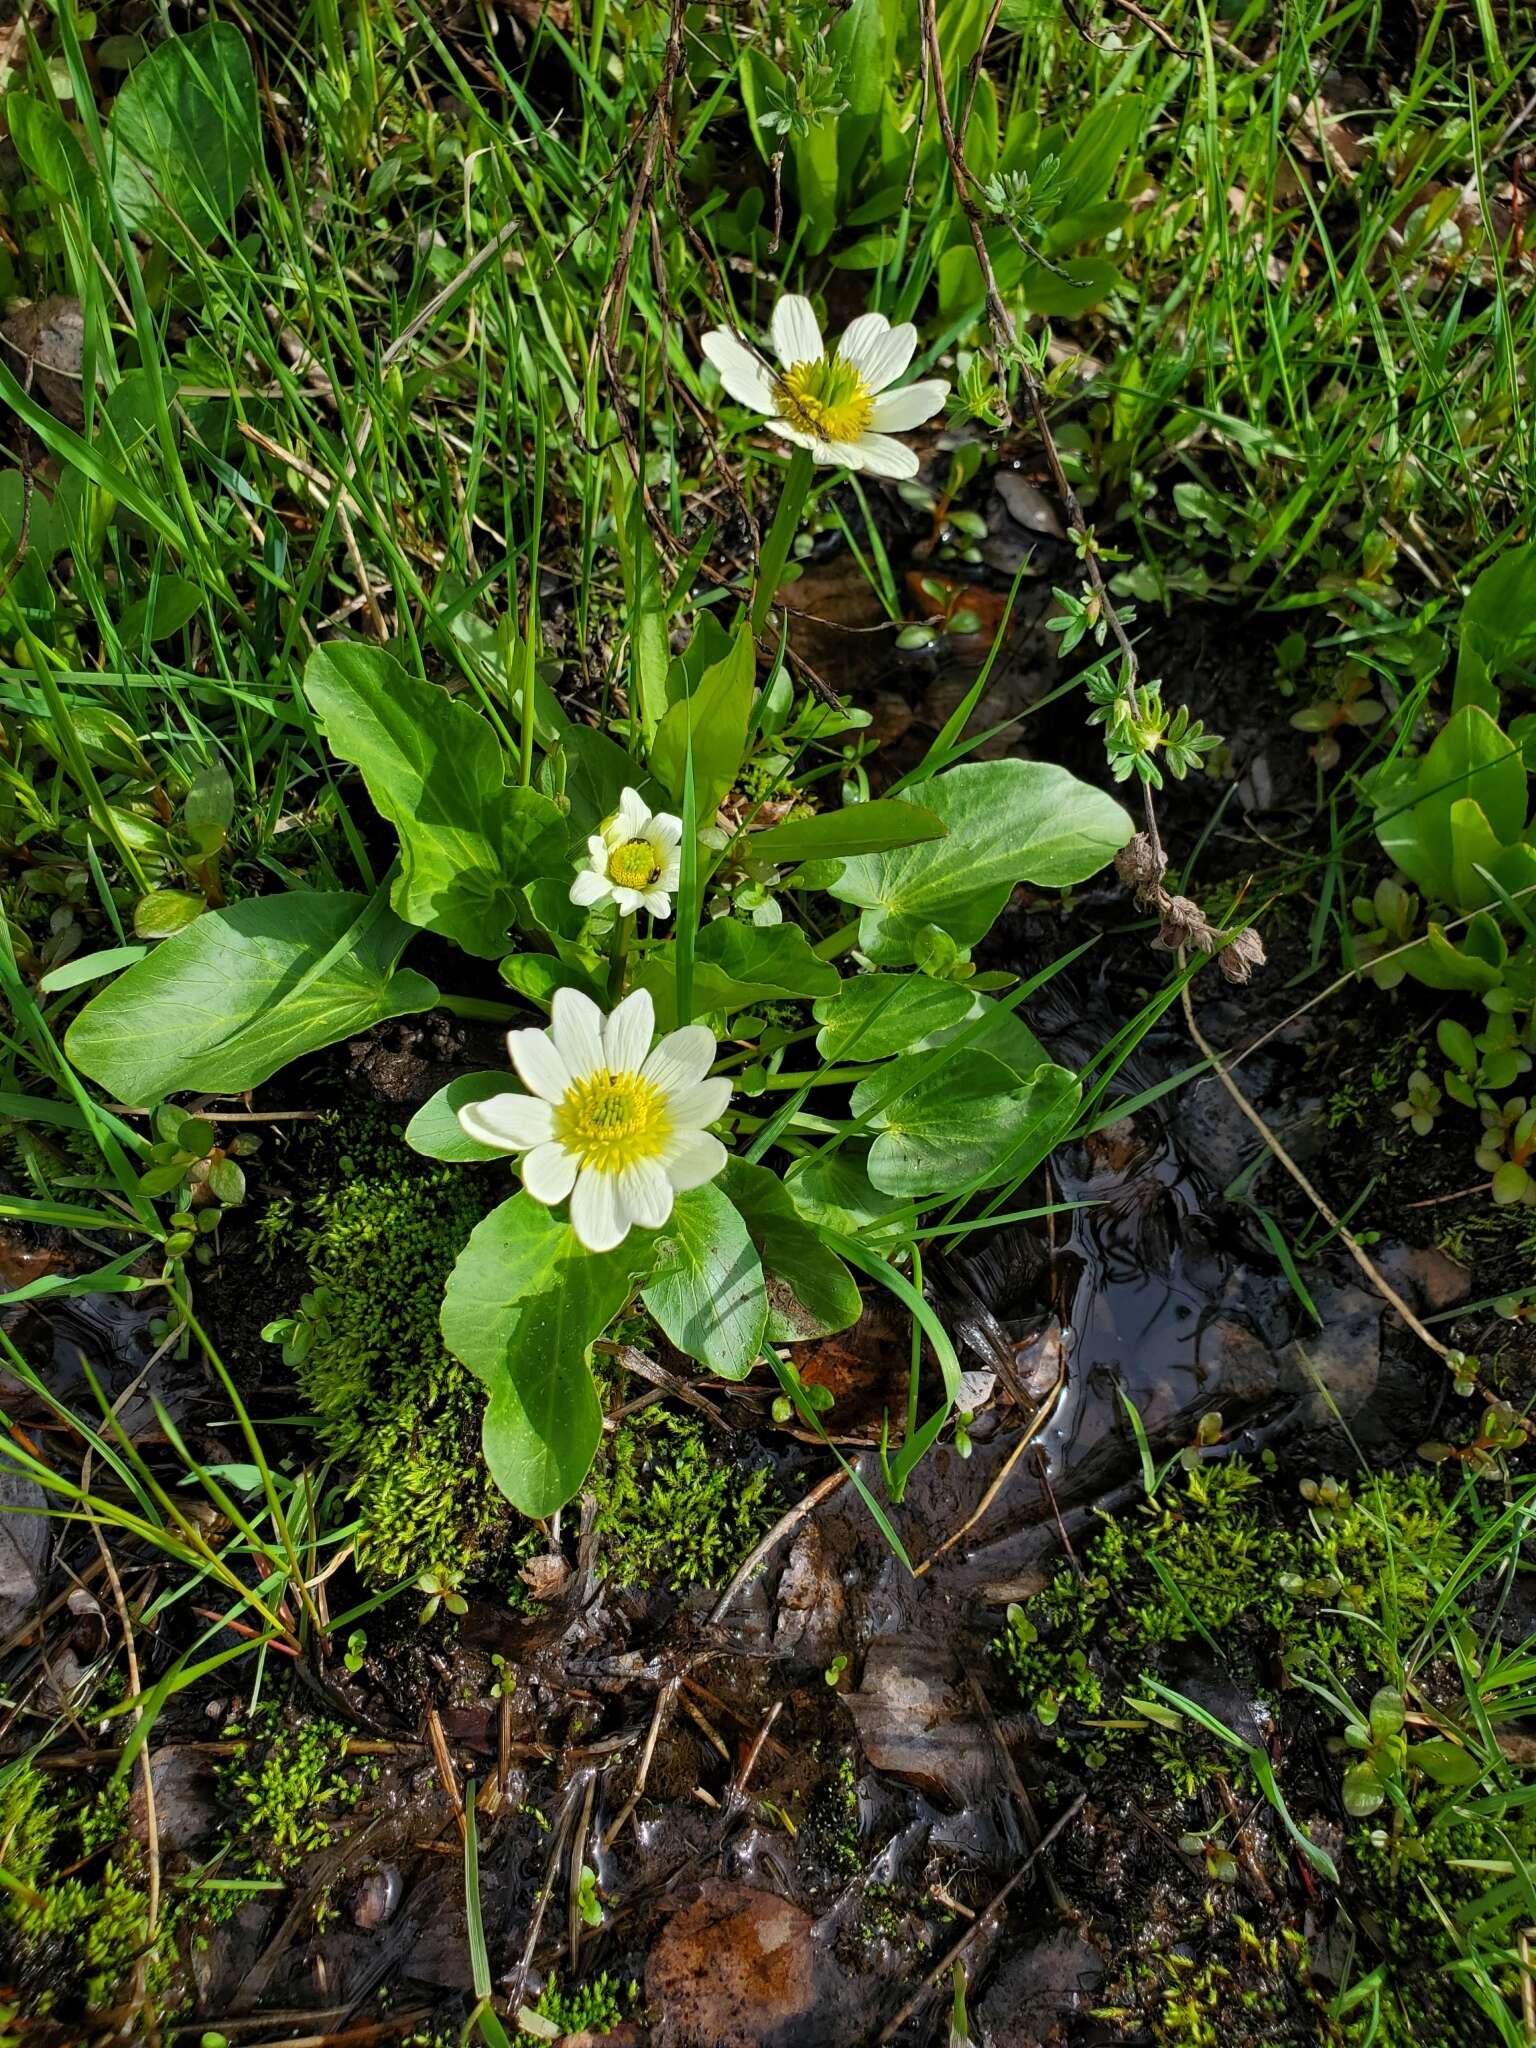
378, 1235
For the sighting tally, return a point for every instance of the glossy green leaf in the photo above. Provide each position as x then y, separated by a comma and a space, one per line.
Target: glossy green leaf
468, 839
1470, 759
707, 1290
240, 992
810, 1291
1445, 1761
835, 1189
875, 827
176, 600
184, 135
1497, 635
736, 965
968, 1122
714, 717
1008, 822
435, 1131
875, 1015
523, 1305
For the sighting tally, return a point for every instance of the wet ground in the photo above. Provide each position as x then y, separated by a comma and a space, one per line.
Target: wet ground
834, 1784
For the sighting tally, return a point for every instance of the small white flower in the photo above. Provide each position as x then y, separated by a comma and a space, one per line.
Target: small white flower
837, 404
614, 1123
634, 860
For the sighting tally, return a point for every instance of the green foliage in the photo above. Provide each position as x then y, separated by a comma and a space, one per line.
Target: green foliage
524, 1305
672, 1511
240, 992
185, 135
594, 2007
436, 771
289, 1784
377, 1235
1007, 822
74, 1921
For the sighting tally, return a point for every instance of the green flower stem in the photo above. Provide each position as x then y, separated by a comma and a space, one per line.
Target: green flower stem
618, 953
786, 523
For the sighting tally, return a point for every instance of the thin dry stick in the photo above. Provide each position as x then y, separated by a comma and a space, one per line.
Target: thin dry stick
664, 1699
1019, 1789
1031, 1430
765, 1546
947, 1961
738, 1791
447, 1775
1352, 1244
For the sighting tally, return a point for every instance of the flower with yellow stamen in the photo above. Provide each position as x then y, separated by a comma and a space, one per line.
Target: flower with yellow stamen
634, 861
609, 1119
837, 403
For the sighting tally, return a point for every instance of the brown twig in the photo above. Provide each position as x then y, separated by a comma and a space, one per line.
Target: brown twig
952, 1955
1335, 1223
765, 1545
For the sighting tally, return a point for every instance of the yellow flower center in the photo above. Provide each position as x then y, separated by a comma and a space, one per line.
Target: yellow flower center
827, 398
633, 865
611, 1121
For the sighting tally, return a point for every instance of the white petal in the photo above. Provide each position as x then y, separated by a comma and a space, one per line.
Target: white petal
629, 900
798, 435
878, 351
665, 829
539, 1067
576, 1026
628, 1033
909, 407
692, 1158
796, 336
879, 455
682, 1058
548, 1172
646, 1193
590, 887
509, 1122
743, 376
658, 902
596, 1215
671, 874
597, 850
633, 814
698, 1103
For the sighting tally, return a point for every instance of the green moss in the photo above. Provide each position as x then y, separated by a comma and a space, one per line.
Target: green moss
595, 2007
74, 1922
1225, 1560
670, 1509
378, 1237
288, 1784
1244, 1990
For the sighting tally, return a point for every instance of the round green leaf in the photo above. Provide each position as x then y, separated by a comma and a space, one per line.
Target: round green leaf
810, 1291
707, 1291
523, 1304
968, 1122
435, 1130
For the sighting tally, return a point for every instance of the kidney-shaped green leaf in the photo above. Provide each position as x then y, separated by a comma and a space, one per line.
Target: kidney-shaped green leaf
522, 1308
1471, 761
968, 1122
435, 1131
240, 992
875, 1015
434, 768
707, 1290
184, 134
811, 1292
1008, 822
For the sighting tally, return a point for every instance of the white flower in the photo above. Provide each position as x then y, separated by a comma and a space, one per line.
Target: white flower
634, 860
608, 1120
838, 405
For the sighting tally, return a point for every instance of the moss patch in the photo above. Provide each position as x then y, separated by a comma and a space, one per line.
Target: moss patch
671, 1510
378, 1235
